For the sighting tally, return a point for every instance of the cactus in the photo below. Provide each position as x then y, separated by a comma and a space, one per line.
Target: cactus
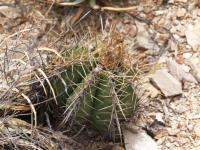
93, 92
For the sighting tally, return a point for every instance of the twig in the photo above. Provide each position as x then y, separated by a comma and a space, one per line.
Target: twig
50, 7
77, 2
119, 9
77, 134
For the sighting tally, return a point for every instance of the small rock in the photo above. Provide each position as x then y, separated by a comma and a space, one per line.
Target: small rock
181, 12
173, 132
183, 140
156, 128
171, 1
169, 85
151, 90
159, 12
173, 46
181, 108
159, 117
187, 55
138, 140
180, 59
197, 130
168, 144
9, 12
143, 38
177, 71
192, 35
186, 68
195, 69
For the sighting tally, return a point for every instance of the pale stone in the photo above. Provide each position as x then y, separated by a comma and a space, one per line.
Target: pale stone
168, 85
138, 140
192, 35
143, 38
177, 71
197, 130
10, 12
186, 68
187, 55
152, 91
195, 69
181, 12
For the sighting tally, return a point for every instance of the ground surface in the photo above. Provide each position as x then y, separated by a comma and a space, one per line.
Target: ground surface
153, 34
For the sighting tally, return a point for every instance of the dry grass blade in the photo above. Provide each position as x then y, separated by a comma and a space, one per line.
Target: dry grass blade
31, 105
49, 83
41, 82
53, 2
51, 50
10, 36
19, 60
63, 82
15, 106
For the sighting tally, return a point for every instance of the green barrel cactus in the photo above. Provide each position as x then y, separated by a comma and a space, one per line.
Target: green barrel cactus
94, 94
